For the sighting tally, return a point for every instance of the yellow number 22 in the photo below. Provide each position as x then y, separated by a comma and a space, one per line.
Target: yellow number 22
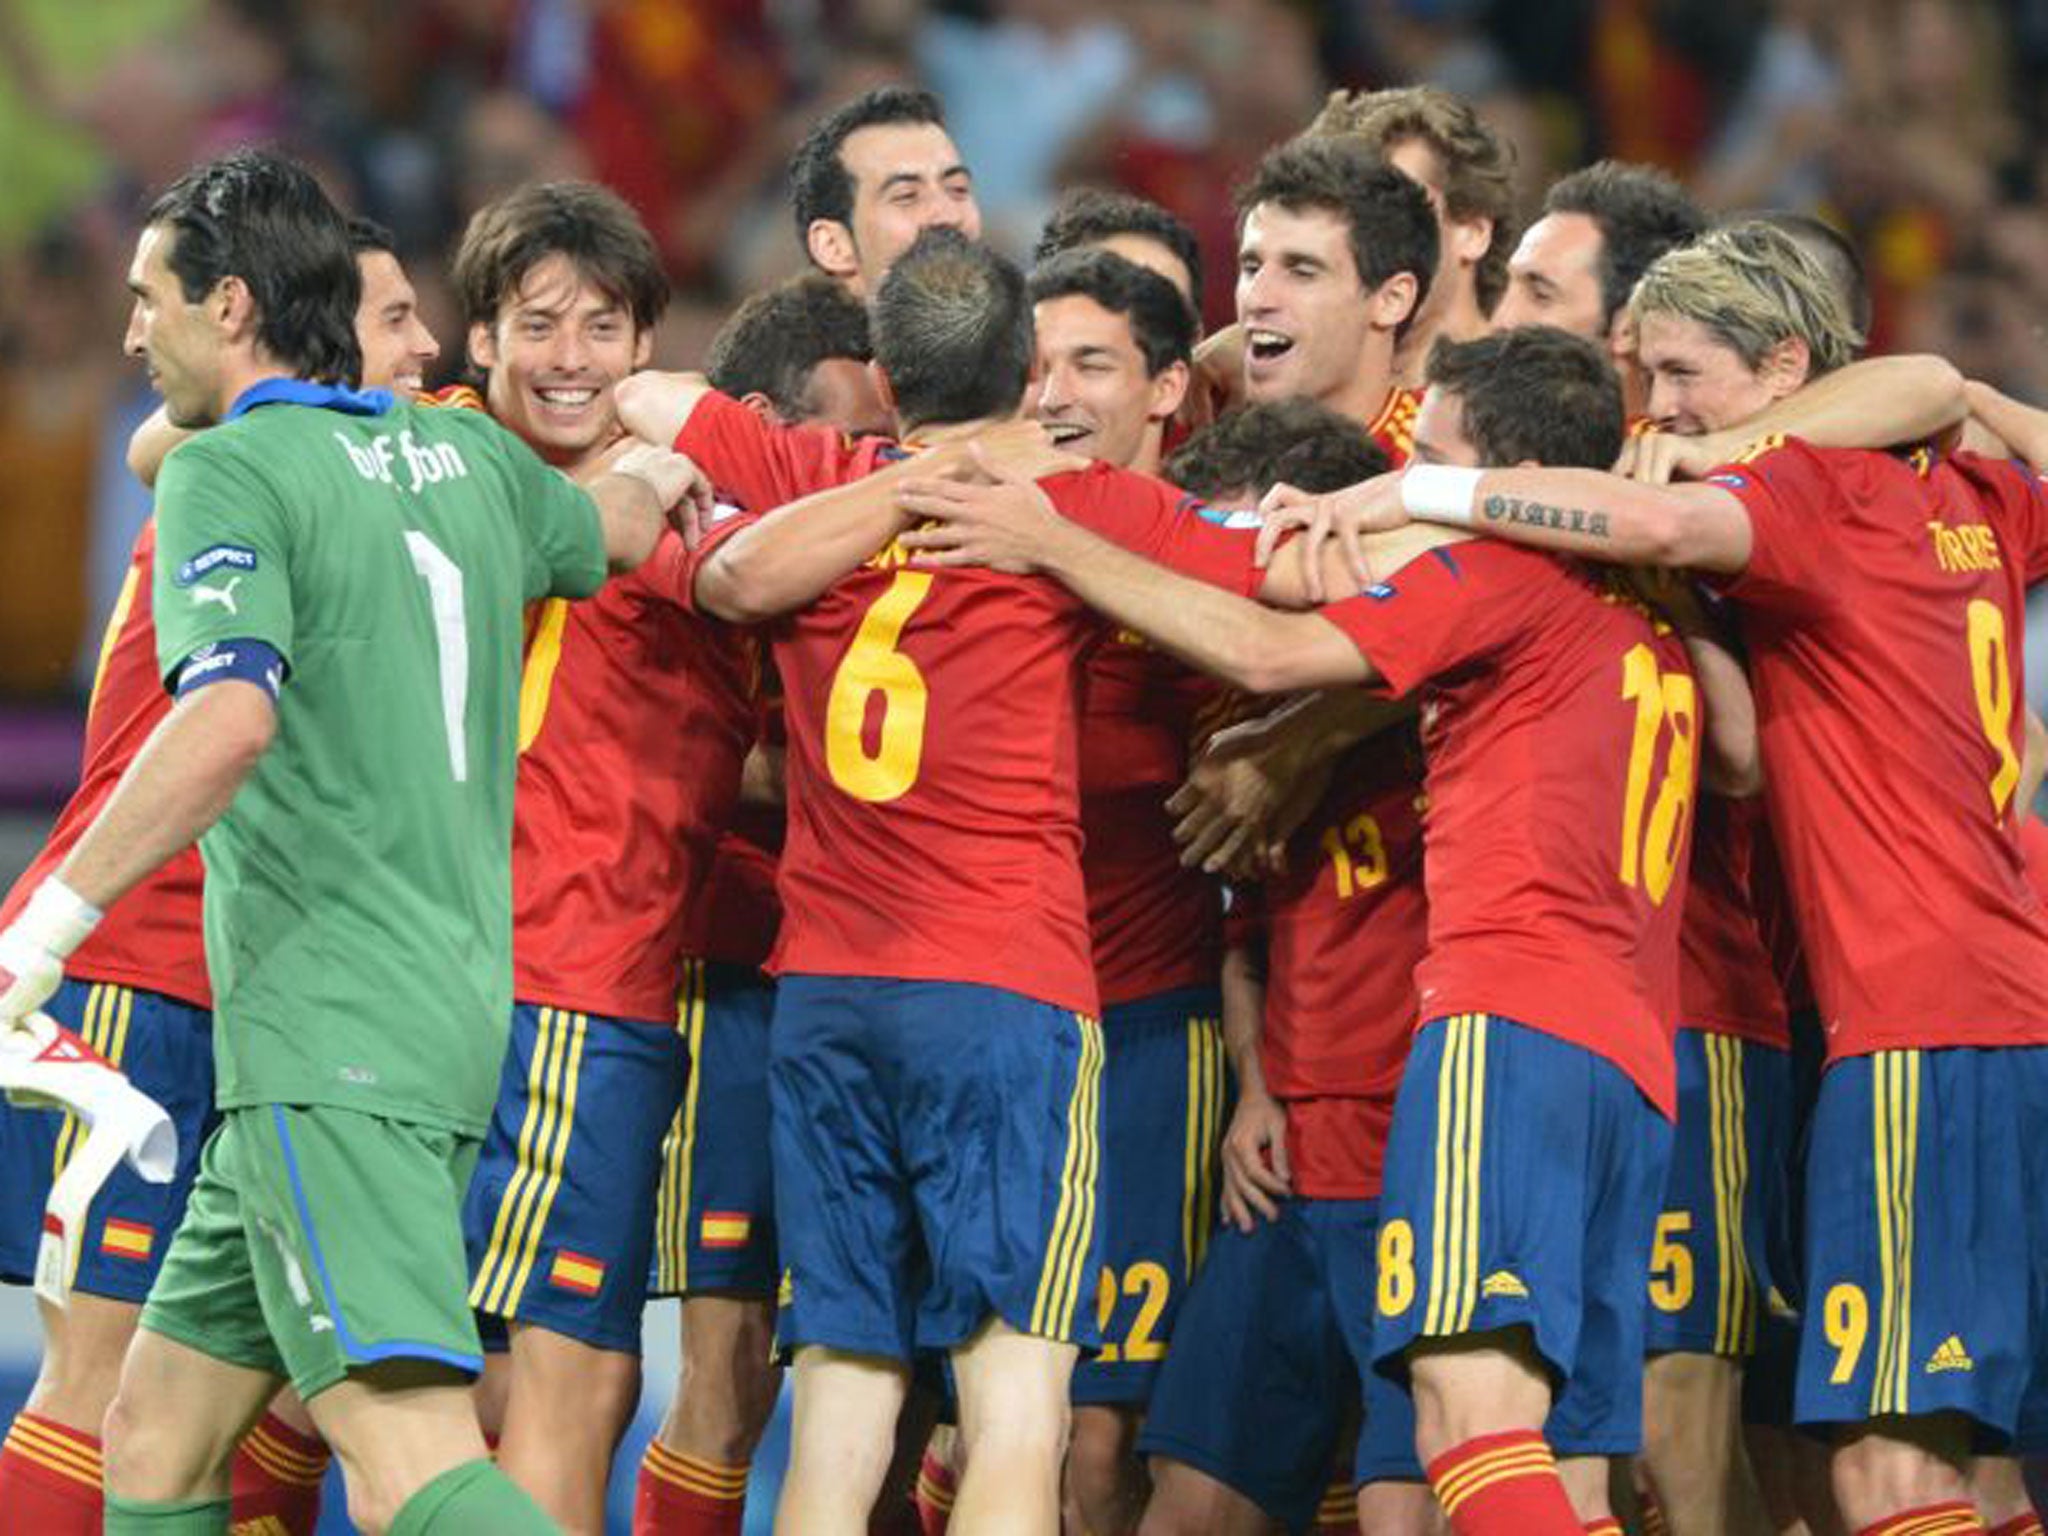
872, 665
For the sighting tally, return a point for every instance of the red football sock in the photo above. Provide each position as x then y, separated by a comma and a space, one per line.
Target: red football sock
681, 1496
2028, 1524
277, 1475
1957, 1517
50, 1478
1607, 1527
936, 1487
1503, 1485
1339, 1509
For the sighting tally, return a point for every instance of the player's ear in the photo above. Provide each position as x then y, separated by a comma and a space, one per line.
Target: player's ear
1470, 238
231, 306
643, 348
1621, 334
1786, 366
762, 407
832, 251
1394, 301
882, 387
1169, 389
483, 346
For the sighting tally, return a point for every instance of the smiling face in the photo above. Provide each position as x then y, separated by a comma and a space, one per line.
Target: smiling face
907, 178
1554, 278
179, 340
1698, 383
555, 352
397, 346
1090, 388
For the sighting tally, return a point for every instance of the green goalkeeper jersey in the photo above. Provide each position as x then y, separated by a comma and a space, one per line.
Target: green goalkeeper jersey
358, 890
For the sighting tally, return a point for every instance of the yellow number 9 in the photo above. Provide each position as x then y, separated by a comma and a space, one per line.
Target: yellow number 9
873, 665
1846, 1321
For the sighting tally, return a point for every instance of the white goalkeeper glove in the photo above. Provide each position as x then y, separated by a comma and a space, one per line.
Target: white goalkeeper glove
34, 947
45, 1065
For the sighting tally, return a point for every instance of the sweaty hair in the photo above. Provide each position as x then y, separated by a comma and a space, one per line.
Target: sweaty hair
1391, 225
590, 226
1836, 255
1161, 322
820, 186
263, 219
1534, 393
777, 338
1752, 286
1477, 165
367, 235
952, 330
1256, 447
1641, 214
1090, 215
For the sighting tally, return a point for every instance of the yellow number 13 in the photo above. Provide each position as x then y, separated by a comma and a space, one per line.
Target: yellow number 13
872, 665
1649, 856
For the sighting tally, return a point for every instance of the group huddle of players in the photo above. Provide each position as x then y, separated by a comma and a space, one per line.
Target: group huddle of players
1409, 917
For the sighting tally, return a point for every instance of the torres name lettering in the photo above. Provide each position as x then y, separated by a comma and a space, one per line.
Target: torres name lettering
1512, 509
425, 463
1967, 547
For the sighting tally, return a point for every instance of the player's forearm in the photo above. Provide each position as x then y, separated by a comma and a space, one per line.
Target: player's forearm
1731, 763
1244, 1007
786, 560
632, 517
152, 444
1877, 403
2022, 427
1604, 517
1243, 642
655, 407
180, 784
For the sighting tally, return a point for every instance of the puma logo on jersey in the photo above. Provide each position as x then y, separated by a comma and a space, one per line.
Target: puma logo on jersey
1503, 1282
225, 596
1949, 1355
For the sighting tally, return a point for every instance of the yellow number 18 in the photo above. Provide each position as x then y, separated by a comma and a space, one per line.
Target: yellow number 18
1649, 856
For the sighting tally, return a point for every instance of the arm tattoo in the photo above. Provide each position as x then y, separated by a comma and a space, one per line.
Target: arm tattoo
1512, 509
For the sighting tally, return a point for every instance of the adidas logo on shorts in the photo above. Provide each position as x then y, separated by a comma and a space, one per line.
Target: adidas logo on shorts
1504, 1282
1950, 1355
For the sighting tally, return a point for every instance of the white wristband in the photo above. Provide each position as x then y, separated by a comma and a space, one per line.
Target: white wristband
57, 918
1440, 493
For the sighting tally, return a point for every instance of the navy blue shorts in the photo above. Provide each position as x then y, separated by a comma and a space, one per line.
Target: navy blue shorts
1523, 1175
1927, 1238
1710, 1260
559, 1219
1164, 1100
166, 1048
1273, 1364
714, 1223
937, 1151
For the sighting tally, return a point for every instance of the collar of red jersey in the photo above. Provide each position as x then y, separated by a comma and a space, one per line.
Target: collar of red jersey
327, 397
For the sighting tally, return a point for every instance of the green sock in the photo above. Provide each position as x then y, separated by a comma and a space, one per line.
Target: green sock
475, 1496
178, 1517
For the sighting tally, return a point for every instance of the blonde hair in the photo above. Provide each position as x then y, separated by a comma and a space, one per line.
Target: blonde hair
1752, 286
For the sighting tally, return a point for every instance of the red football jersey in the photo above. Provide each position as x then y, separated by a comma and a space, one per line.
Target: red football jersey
1346, 925
738, 914
1394, 427
2034, 850
152, 938
1727, 984
1560, 722
1882, 603
1152, 924
934, 828
635, 715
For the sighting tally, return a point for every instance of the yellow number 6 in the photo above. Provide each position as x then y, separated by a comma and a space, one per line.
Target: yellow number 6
873, 665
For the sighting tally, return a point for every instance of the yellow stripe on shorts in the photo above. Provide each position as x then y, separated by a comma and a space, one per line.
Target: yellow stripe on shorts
543, 1143
1460, 1135
1059, 1281
1895, 1137
679, 1147
1736, 1299
1204, 1117
104, 1027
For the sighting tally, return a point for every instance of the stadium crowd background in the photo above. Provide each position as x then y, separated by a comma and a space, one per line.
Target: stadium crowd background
1909, 123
